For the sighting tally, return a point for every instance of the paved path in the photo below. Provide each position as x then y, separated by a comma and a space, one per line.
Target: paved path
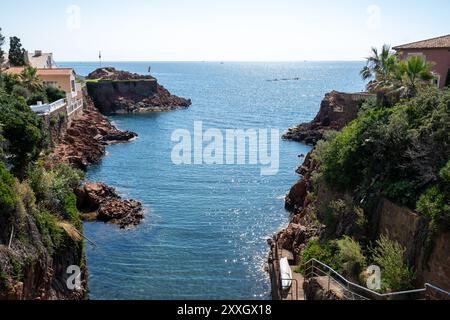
296, 291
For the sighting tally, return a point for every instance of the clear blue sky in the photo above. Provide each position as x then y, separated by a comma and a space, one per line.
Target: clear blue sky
173, 30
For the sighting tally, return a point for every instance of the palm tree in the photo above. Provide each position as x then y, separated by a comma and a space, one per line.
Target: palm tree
414, 72
30, 79
379, 68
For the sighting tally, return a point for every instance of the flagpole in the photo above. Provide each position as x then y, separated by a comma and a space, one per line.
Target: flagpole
100, 58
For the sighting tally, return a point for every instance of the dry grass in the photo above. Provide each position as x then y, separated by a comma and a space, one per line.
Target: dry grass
71, 231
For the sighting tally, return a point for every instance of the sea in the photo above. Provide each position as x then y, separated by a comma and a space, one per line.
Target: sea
206, 226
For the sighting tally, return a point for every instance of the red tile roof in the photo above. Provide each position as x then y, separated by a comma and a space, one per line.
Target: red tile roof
43, 72
434, 43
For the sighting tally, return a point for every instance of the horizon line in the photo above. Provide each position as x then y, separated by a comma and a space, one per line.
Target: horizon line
218, 61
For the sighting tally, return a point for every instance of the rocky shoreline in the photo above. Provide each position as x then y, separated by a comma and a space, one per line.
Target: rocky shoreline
121, 92
98, 201
307, 203
301, 227
337, 110
84, 144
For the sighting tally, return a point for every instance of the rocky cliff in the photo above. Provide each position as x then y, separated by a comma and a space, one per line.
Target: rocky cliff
84, 144
121, 92
306, 199
336, 111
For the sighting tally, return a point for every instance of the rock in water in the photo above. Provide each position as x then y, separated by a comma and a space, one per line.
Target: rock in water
121, 92
108, 205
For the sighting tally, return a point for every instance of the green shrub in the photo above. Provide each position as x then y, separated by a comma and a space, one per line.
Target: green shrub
36, 97
53, 121
351, 257
435, 204
445, 173
22, 130
7, 194
392, 152
325, 252
70, 176
17, 269
71, 211
4, 281
52, 235
20, 91
62, 116
323, 145
343, 214
53, 187
54, 94
396, 275
8, 81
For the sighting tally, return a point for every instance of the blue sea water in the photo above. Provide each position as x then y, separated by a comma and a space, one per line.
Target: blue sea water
205, 230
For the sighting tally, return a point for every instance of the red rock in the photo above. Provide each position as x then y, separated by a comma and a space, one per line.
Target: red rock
336, 111
109, 205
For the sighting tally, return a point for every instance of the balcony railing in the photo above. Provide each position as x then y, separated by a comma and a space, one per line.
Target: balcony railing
49, 107
74, 106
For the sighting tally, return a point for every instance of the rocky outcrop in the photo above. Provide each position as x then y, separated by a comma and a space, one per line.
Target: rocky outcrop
121, 92
336, 111
100, 202
84, 143
109, 73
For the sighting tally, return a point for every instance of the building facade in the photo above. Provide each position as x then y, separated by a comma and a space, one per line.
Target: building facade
435, 50
64, 79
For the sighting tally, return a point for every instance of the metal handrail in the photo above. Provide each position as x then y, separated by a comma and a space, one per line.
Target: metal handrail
296, 288
427, 285
371, 292
346, 289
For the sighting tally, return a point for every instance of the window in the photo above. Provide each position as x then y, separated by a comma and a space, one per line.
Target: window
73, 85
53, 84
416, 54
437, 80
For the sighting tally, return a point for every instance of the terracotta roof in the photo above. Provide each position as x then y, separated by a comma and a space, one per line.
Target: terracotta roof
14, 70
43, 72
55, 72
434, 43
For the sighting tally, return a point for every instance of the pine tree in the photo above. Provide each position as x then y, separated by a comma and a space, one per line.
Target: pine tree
2, 53
16, 52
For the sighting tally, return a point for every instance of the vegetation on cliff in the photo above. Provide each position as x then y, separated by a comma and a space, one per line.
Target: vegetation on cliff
39, 221
389, 73
398, 152
397, 148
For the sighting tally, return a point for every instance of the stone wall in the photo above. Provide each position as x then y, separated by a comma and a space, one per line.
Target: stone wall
57, 124
402, 225
410, 230
437, 271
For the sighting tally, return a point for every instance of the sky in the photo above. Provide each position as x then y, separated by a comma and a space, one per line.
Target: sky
226, 30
